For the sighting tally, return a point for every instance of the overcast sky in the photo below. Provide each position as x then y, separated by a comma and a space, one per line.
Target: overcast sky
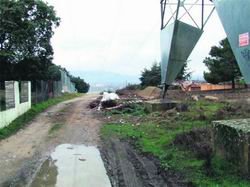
121, 36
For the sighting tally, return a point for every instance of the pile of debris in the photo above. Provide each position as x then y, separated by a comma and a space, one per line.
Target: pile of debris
125, 93
111, 101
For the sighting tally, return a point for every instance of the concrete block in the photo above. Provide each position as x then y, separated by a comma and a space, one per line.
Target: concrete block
231, 140
160, 105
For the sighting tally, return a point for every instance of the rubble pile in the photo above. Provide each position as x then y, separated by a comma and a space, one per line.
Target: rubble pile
111, 101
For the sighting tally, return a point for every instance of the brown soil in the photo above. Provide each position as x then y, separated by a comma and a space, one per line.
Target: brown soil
21, 154
150, 92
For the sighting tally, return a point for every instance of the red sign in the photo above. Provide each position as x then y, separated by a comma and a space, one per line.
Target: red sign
244, 39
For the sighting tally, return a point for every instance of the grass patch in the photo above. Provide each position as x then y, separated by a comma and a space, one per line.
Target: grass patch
55, 128
24, 119
156, 137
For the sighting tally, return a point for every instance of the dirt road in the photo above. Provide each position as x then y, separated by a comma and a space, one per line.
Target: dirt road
24, 155
68, 122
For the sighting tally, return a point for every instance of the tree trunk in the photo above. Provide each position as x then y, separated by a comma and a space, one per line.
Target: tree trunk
233, 83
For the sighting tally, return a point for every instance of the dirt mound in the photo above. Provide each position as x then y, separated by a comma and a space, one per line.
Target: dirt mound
150, 92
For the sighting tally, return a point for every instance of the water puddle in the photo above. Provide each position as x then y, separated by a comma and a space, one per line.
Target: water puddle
73, 166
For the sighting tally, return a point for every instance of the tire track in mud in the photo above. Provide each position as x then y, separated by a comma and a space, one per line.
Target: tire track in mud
145, 169
128, 168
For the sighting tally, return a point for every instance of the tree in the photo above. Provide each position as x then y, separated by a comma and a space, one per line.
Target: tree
152, 76
26, 27
54, 73
28, 69
80, 84
221, 64
184, 74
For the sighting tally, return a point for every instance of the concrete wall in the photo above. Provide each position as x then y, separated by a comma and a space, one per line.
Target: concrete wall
7, 116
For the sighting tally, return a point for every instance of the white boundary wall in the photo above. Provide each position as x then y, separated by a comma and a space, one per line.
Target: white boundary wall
7, 116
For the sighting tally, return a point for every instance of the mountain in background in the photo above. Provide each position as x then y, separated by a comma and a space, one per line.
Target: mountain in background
100, 81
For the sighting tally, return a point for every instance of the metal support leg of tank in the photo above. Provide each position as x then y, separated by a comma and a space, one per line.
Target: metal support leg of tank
164, 91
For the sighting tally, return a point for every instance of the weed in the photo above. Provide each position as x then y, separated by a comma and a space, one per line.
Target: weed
130, 109
55, 128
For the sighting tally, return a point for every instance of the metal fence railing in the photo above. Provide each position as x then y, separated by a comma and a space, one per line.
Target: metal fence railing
2, 96
43, 90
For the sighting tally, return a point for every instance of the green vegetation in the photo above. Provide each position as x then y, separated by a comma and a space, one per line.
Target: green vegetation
26, 53
156, 133
24, 119
152, 76
222, 64
26, 28
55, 128
133, 109
80, 84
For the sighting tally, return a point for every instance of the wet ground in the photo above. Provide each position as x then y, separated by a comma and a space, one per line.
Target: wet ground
72, 165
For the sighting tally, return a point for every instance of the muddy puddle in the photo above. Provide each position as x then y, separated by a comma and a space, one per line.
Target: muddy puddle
72, 165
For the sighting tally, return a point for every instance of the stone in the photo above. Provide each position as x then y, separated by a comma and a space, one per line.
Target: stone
195, 97
211, 98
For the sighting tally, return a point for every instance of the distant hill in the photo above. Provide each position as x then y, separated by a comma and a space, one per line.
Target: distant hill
100, 81
99, 77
